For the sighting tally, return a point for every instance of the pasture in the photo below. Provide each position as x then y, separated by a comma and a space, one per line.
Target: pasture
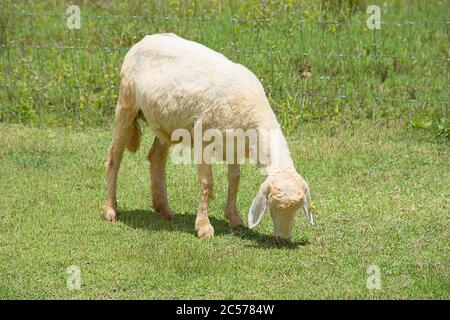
366, 117
380, 200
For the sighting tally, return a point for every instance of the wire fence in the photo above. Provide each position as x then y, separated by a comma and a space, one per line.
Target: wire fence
312, 68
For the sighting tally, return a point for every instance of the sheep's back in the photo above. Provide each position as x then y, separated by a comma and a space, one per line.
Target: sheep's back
178, 81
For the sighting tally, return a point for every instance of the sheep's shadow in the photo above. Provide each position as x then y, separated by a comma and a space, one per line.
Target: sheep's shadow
184, 222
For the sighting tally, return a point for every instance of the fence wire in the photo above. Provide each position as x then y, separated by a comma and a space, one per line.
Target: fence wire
311, 68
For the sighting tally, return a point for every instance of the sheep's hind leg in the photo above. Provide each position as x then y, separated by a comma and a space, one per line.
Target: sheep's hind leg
202, 224
157, 157
231, 212
122, 130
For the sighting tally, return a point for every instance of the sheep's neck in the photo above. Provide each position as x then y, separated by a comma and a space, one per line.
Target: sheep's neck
274, 153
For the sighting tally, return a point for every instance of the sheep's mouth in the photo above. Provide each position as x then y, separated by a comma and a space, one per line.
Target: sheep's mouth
282, 241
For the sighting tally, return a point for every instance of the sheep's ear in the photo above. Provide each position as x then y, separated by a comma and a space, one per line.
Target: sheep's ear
259, 206
307, 207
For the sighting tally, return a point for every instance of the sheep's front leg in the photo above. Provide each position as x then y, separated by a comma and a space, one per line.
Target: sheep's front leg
157, 157
202, 224
231, 212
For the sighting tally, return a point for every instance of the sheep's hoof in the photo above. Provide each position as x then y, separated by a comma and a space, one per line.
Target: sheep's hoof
110, 214
205, 232
166, 214
235, 223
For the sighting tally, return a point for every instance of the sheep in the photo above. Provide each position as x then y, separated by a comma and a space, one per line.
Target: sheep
171, 83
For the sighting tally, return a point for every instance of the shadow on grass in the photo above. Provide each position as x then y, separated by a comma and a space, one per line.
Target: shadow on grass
184, 222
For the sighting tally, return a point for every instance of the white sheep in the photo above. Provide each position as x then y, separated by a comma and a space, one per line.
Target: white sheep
173, 83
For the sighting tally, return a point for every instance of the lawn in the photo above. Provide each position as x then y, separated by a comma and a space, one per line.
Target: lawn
381, 195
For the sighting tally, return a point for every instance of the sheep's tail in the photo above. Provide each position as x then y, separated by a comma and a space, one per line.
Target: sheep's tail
127, 116
134, 139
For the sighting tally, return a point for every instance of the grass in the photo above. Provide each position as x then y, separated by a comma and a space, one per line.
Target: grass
55, 76
381, 190
381, 197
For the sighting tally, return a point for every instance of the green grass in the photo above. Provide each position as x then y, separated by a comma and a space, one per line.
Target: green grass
381, 197
306, 68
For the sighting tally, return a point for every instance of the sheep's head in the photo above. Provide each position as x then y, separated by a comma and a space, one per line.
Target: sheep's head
284, 193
